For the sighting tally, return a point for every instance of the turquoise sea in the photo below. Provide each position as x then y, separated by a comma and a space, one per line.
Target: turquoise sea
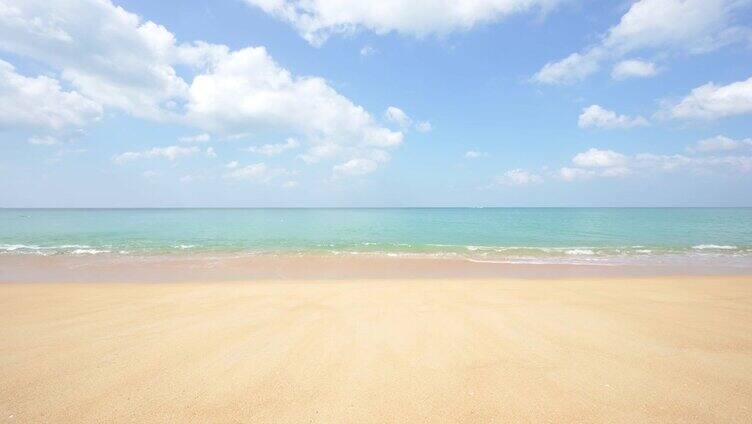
526, 235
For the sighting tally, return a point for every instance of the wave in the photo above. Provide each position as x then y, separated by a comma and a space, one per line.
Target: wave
713, 247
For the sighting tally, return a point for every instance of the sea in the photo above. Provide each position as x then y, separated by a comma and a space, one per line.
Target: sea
598, 236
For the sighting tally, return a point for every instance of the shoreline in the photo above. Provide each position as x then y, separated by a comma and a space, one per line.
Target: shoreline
626, 350
190, 267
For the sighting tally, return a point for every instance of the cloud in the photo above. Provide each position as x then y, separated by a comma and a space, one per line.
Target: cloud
198, 138
610, 164
358, 166
115, 60
246, 91
232, 165
210, 153
720, 143
574, 68
474, 154
170, 153
40, 103
397, 116
572, 174
423, 126
519, 177
255, 173
317, 20
106, 53
685, 26
712, 101
274, 149
595, 116
633, 69
594, 158
43, 141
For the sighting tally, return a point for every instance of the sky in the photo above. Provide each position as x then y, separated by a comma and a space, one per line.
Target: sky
375, 103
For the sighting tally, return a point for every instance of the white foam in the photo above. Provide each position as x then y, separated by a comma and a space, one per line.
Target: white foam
580, 252
89, 251
713, 247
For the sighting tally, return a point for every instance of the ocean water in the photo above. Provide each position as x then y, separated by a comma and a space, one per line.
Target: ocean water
515, 235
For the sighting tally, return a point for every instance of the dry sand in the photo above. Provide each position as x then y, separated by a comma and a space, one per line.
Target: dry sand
580, 350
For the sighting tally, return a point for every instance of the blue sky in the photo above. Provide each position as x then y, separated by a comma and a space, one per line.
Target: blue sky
375, 103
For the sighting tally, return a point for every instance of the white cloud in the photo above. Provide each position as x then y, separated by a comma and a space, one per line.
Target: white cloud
519, 177
594, 158
170, 153
40, 103
274, 149
43, 141
720, 143
398, 116
609, 164
712, 101
686, 26
423, 126
367, 51
232, 165
572, 174
198, 138
255, 173
210, 152
474, 154
633, 69
247, 91
318, 20
358, 166
289, 184
114, 59
573, 68
595, 116
106, 53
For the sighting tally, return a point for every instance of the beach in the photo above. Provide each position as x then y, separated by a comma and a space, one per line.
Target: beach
581, 349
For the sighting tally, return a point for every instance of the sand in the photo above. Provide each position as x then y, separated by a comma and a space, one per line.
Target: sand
504, 350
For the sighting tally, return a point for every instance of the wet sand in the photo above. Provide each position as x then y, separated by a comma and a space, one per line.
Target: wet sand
664, 349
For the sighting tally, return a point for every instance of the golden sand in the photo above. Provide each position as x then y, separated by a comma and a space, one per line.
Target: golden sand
579, 350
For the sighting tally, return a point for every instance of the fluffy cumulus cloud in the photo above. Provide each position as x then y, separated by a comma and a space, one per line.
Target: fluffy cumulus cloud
594, 158
39, 103
245, 91
711, 101
686, 26
720, 143
571, 69
317, 20
106, 53
609, 164
595, 116
518, 177
397, 116
113, 59
170, 153
633, 69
